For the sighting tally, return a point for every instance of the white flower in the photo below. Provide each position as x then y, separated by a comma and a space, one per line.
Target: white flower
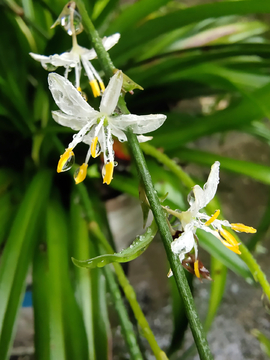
76, 58
193, 219
96, 128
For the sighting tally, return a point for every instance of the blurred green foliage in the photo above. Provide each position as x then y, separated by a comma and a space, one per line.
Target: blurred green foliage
174, 52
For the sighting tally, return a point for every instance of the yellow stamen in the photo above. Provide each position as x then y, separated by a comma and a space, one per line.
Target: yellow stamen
243, 228
65, 161
79, 88
235, 249
95, 88
102, 86
94, 146
213, 218
108, 173
228, 237
230, 242
80, 173
196, 269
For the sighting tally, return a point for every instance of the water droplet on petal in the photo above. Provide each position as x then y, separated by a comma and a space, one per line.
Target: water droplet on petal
48, 66
77, 21
69, 163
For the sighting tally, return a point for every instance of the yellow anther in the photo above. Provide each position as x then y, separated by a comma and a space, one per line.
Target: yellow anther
213, 218
79, 88
102, 86
66, 161
228, 237
235, 249
243, 228
196, 269
108, 173
230, 242
94, 146
95, 88
80, 173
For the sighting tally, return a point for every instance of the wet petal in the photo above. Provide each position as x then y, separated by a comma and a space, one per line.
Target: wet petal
108, 43
65, 59
68, 120
183, 245
111, 94
68, 98
142, 138
140, 124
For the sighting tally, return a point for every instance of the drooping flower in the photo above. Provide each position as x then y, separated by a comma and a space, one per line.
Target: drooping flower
194, 219
77, 58
96, 128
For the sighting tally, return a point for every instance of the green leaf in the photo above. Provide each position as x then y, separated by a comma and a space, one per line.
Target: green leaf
17, 255
249, 109
68, 336
133, 14
41, 295
135, 38
80, 247
212, 245
219, 276
140, 244
264, 341
255, 171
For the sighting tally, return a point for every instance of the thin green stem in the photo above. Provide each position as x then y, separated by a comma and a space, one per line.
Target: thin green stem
123, 281
178, 271
126, 325
179, 274
102, 54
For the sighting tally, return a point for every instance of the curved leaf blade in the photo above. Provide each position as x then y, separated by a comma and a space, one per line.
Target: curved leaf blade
140, 244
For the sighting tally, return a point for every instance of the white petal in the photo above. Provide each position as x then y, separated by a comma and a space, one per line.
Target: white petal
142, 138
41, 58
68, 98
121, 136
213, 232
111, 94
205, 195
65, 59
210, 187
68, 120
108, 43
88, 54
140, 124
184, 244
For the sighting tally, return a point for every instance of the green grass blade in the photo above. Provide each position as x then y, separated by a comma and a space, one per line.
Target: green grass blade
41, 295
219, 276
66, 324
80, 247
133, 14
254, 171
17, 255
135, 38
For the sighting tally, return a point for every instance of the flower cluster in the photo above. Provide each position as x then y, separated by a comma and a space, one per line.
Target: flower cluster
96, 128
194, 219
78, 56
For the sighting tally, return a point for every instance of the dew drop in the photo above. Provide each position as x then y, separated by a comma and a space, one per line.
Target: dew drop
48, 66
69, 163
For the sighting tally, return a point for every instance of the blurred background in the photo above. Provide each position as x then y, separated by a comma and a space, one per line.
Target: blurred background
205, 64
